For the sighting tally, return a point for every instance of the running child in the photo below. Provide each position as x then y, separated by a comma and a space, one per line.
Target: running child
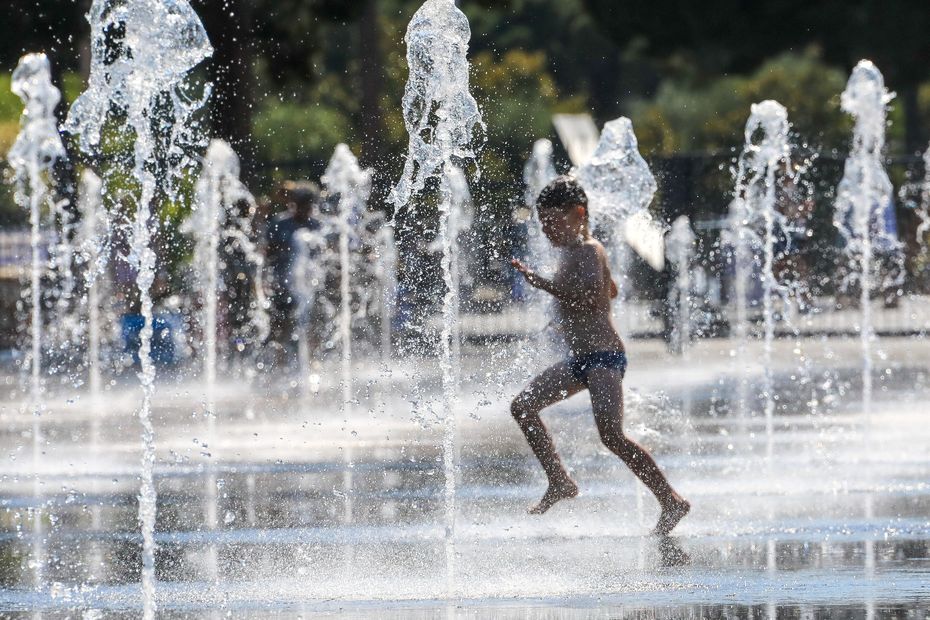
583, 289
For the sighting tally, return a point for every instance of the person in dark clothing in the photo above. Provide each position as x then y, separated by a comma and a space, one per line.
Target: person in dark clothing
300, 200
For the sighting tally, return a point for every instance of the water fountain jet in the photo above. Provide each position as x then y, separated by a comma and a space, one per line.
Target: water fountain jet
537, 173
35, 152
863, 193
215, 222
679, 247
764, 161
91, 241
350, 186
445, 129
619, 185
306, 282
460, 220
141, 54
386, 274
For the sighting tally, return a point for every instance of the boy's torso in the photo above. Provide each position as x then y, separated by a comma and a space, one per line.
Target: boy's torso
587, 325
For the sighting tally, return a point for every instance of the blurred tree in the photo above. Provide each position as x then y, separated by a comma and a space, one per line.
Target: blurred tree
893, 34
372, 75
49, 26
581, 59
683, 118
281, 37
719, 36
10, 109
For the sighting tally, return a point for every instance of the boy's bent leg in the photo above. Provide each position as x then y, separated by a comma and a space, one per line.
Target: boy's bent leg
554, 384
606, 386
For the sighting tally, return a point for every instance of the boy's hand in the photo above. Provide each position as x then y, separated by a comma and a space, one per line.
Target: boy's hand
528, 273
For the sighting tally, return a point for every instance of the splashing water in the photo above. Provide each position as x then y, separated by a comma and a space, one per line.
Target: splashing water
91, 241
37, 149
763, 163
619, 184
461, 217
617, 179
222, 215
862, 195
537, 173
923, 208
305, 284
141, 53
350, 186
441, 116
737, 238
445, 128
218, 219
386, 274
63, 328
679, 247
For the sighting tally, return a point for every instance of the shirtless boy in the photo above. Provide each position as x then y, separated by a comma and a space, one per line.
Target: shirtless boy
583, 289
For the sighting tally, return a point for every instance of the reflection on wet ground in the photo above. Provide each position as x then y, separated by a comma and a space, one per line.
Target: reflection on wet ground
315, 512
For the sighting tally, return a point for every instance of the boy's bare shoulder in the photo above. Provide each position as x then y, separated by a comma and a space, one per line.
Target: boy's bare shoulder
595, 249
589, 250
597, 245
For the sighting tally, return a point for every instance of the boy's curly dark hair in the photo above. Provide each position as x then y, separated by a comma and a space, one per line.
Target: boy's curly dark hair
563, 192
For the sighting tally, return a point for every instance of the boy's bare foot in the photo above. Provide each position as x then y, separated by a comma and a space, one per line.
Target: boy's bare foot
555, 493
671, 552
674, 512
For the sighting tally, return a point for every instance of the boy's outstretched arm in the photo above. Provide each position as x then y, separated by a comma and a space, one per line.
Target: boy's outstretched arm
583, 277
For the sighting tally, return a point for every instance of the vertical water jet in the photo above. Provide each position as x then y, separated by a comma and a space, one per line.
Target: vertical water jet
349, 186
763, 163
679, 248
141, 54
619, 185
862, 196
537, 173
445, 129
37, 149
217, 223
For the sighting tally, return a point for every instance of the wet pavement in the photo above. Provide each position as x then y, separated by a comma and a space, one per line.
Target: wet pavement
297, 508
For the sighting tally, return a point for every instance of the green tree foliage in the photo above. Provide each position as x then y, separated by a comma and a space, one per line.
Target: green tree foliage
296, 131
579, 57
518, 97
718, 36
10, 109
711, 118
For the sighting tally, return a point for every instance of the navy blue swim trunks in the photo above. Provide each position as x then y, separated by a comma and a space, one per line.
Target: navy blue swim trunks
581, 364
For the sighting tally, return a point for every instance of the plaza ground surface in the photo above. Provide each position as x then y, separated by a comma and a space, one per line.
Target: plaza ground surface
297, 507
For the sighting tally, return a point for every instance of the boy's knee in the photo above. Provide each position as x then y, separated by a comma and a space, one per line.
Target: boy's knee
609, 440
616, 443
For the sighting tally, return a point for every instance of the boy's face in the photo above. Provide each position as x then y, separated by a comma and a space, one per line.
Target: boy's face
562, 226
